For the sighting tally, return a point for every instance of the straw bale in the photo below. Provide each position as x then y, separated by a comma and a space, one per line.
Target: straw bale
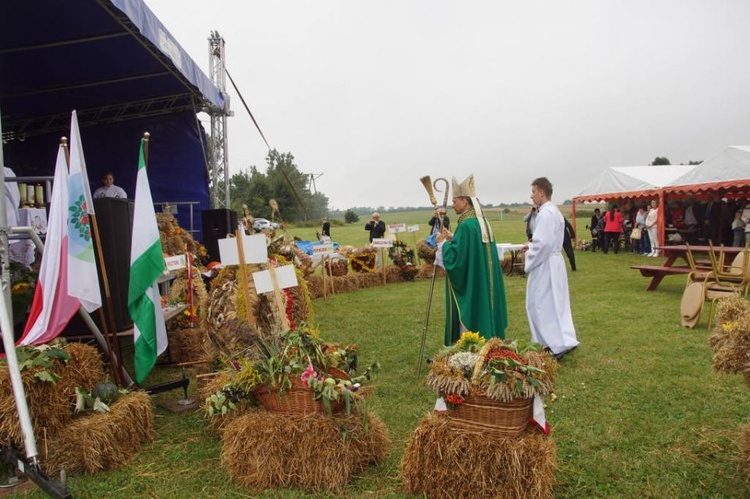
730, 339
443, 461
425, 271
186, 344
263, 450
50, 404
102, 441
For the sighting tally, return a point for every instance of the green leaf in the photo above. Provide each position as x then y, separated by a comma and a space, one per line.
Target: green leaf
44, 376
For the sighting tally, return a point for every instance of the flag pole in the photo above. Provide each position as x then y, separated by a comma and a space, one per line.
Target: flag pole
113, 364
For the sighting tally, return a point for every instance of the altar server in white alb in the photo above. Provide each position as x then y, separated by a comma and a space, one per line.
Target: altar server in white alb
547, 295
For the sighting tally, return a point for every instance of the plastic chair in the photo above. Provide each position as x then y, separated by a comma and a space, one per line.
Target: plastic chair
727, 280
698, 273
736, 274
704, 284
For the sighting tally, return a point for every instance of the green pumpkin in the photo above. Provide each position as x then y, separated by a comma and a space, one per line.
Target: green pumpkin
106, 391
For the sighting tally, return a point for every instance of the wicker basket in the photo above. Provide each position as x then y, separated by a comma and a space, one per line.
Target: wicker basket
338, 373
479, 413
337, 267
502, 419
298, 400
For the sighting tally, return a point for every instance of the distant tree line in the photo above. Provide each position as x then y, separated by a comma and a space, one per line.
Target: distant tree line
281, 181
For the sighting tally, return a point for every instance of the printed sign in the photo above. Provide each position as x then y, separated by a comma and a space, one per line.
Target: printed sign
254, 246
322, 250
286, 277
175, 262
382, 243
396, 228
412, 228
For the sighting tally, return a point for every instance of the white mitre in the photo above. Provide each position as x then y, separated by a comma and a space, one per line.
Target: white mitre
466, 189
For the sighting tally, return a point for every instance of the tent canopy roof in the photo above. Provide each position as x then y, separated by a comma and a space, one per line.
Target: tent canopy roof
112, 60
631, 181
728, 169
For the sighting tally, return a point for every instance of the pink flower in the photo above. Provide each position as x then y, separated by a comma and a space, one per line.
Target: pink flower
308, 372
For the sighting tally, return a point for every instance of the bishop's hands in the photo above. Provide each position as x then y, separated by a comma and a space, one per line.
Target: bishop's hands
445, 235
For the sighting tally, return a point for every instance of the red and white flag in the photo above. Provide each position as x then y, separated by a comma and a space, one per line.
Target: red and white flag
53, 307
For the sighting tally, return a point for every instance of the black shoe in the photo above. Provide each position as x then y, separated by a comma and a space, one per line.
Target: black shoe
429, 360
559, 356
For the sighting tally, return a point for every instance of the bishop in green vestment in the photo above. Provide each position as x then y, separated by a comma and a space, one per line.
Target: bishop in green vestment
474, 289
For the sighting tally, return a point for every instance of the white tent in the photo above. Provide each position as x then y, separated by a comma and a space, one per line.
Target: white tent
728, 169
631, 181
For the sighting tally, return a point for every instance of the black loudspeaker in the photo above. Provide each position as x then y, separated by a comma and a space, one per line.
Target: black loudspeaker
216, 225
115, 220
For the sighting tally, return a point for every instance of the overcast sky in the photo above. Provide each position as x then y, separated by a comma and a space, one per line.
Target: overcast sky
374, 95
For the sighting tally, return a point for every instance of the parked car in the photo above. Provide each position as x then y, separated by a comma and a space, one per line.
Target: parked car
263, 224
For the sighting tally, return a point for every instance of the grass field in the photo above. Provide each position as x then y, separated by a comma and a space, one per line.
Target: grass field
639, 413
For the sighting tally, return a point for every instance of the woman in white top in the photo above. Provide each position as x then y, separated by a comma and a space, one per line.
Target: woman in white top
652, 219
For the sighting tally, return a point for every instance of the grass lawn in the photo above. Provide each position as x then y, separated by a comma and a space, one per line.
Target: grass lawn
639, 413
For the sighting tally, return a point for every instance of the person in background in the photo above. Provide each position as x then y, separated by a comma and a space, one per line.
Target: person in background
738, 229
641, 246
547, 294
474, 287
712, 219
109, 189
568, 237
530, 218
652, 222
597, 230
326, 229
434, 221
612, 229
375, 226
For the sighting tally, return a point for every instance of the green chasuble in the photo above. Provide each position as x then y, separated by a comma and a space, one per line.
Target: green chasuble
474, 289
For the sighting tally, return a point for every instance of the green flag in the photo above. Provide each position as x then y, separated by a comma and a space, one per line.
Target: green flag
146, 265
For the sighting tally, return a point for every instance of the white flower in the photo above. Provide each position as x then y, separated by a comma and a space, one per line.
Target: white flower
464, 361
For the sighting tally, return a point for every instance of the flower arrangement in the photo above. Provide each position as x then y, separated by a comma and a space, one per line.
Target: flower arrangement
363, 260
296, 361
22, 290
497, 369
401, 254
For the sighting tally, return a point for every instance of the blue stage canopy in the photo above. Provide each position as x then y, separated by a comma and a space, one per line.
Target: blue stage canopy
116, 64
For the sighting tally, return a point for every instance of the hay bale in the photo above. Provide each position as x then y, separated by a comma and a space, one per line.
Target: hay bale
263, 450
102, 441
443, 461
186, 345
730, 339
50, 404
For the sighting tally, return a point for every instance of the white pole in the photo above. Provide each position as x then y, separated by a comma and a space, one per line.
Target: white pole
7, 332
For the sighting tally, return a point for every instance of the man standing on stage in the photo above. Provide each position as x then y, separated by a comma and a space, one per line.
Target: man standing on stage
547, 295
474, 289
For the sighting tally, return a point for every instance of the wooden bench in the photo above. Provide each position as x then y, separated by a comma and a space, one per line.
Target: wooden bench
659, 272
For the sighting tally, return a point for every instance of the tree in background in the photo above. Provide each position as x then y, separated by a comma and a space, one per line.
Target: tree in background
283, 182
350, 217
660, 160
